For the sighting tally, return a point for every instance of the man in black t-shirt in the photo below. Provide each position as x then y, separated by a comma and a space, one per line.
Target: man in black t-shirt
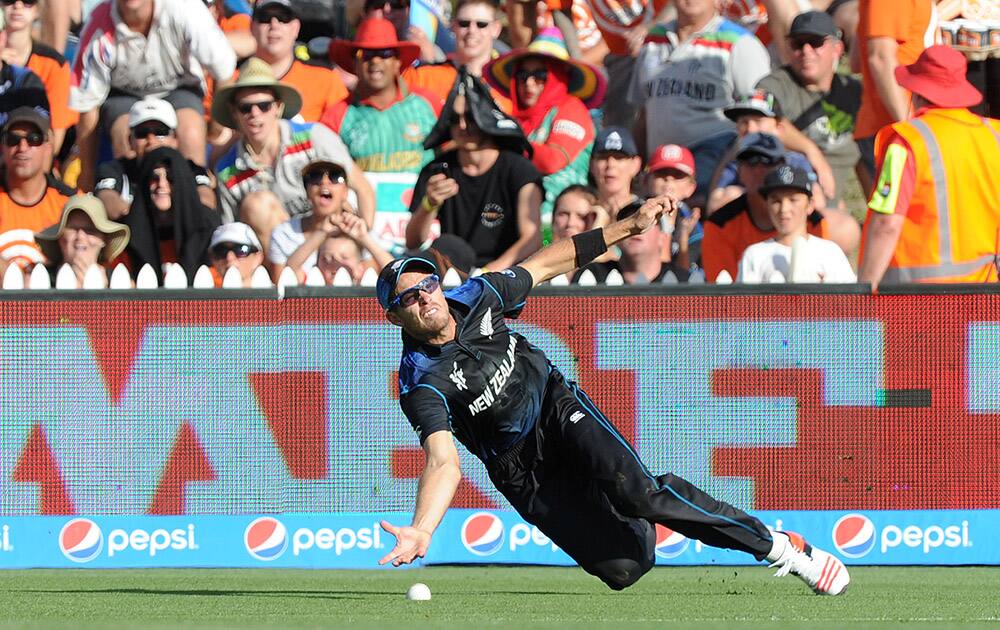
485, 191
153, 124
546, 446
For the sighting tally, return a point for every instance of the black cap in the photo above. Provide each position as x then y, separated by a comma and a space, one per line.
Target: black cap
814, 23
260, 5
616, 140
758, 143
387, 279
786, 177
32, 115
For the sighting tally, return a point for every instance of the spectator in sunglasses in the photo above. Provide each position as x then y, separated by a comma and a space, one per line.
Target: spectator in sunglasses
20, 49
552, 95
275, 29
235, 245
83, 237
168, 221
476, 27
131, 49
746, 220
384, 123
31, 199
260, 177
152, 124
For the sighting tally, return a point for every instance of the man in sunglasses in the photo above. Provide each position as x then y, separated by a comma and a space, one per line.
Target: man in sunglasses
547, 447
152, 124
235, 245
131, 49
31, 199
275, 28
746, 220
815, 98
384, 121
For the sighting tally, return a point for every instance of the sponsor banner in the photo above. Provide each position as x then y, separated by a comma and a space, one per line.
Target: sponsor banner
356, 541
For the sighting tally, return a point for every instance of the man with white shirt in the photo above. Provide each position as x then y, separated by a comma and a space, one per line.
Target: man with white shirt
788, 192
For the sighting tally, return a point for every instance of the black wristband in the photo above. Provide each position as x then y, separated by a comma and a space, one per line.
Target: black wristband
589, 245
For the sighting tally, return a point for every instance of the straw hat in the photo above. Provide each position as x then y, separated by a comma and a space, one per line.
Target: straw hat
373, 34
254, 73
585, 82
116, 234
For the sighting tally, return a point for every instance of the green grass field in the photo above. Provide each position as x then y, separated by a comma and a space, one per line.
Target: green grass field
476, 597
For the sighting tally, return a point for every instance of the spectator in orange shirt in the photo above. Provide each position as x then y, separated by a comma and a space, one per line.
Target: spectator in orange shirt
275, 29
31, 199
44, 61
890, 34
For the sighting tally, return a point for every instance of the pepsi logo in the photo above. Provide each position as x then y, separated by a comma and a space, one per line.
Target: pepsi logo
853, 535
266, 538
81, 540
482, 534
670, 544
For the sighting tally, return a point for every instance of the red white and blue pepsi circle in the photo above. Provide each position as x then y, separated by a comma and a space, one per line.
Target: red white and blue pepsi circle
854, 535
266, 538
670, 544
482, 533
81, 540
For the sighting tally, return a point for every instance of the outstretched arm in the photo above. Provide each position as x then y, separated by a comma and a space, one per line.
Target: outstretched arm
437, 486
561, 257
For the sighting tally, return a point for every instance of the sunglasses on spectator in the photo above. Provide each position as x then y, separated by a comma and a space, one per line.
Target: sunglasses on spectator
457, 118
541, 75
265, 17
159, 130
247, 106
799, 41
241, 250
409, 297
480, 24
394, 5
759, 160
27, 3
34, 139
315, 176
380, 53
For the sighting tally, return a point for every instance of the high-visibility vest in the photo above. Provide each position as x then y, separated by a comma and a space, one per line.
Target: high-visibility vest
952, 227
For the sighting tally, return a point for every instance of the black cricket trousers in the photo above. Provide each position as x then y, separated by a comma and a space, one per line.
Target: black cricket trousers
581, 483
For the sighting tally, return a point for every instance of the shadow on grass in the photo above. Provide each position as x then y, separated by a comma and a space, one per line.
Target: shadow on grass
212, 592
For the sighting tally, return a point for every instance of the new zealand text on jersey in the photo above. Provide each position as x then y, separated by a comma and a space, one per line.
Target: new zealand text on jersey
496, 382
672, 87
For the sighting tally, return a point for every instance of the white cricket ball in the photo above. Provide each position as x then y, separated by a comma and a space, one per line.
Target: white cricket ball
418, 592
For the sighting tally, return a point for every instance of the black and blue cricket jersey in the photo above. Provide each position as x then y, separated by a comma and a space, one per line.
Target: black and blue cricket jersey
487, 385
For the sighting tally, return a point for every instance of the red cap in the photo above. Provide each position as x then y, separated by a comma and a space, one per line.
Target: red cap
938, 75
672, 156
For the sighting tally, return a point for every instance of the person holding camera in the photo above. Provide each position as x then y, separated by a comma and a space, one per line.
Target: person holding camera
484, 191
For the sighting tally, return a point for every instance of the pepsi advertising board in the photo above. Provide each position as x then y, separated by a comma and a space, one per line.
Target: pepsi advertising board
171, 428
356, 541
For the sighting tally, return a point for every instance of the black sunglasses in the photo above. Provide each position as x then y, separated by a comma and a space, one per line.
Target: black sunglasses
456, 118
265, 17
799, 41
541, 75
27, 3
480, 24
395, 5
409, 297
159, 130
247, 107
315, 176
379, 53
759, 160
222, 250
34, 138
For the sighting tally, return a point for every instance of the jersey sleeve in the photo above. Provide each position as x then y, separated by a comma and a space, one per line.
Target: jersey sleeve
207, 43
897, 178
511, 287
572, 131
110, 176
427, 410
749, 63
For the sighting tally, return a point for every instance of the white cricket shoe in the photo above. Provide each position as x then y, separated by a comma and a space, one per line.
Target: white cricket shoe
824, 573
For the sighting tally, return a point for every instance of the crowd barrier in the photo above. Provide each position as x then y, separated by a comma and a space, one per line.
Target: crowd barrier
211, 428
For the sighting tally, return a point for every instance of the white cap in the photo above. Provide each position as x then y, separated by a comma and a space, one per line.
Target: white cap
152, 109
239, 233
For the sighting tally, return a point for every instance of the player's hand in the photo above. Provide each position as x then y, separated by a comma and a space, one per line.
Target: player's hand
651, 211
411, 543
440, 187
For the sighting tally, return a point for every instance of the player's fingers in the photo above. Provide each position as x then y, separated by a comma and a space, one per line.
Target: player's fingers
389, 527
391, 556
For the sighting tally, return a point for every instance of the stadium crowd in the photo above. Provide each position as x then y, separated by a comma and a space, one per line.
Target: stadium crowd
810, 140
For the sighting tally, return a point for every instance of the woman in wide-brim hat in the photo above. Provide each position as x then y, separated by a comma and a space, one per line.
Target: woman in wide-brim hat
551, 96
84, 237
373, 34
